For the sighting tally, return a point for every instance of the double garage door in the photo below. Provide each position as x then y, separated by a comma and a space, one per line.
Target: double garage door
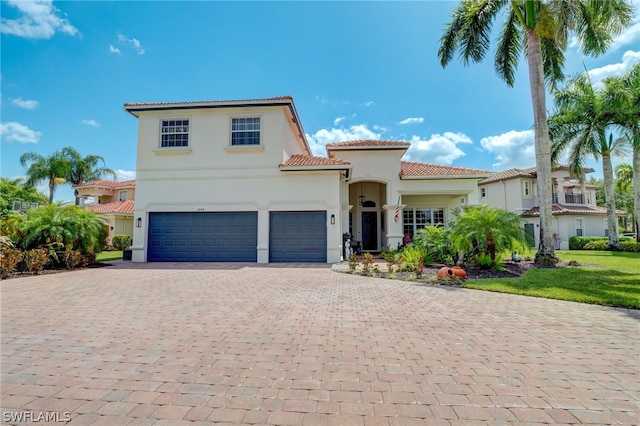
233, 237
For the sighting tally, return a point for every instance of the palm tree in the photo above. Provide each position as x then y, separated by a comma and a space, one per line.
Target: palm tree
488, 230
624, 95
580, 125
623, 184
541, 31
52, 169
84, 169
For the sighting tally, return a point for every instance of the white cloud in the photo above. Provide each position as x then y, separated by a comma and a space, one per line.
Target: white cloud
322, 99
368, 103
511, 149
114, 49
439, 148
338, 120
412, 120
631, 34
23, 103
322, 137
125, 174
629, 59
135, 43
40, 20
12, 131
93, 123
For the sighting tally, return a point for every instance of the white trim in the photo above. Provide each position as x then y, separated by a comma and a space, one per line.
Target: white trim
246, 115
160, 134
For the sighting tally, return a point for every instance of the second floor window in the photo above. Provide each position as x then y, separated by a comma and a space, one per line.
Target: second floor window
122, 196
527, 188
174, 133
245, 131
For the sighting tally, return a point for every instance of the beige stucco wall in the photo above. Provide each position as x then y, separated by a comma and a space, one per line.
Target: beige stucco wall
211, 176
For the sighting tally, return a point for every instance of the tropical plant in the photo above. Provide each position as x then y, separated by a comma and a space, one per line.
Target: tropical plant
581, 125
14, 190
36, 259
9, 260
624, 177
540, 30
435, 241
624, 93
84, 169
413, 258
52, 169
56, 227
120, 241
478, 230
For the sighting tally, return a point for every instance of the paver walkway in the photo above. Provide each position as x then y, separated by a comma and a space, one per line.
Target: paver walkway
292, 345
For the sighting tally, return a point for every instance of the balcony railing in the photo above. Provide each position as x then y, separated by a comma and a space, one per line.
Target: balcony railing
574, 198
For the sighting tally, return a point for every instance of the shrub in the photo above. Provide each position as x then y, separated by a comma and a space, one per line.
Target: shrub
72, 258
602, 245
353, 262
367, 261
435, 241
9, 259
413, 258
578, 243
35, 260
88, 259
121, 241
483, 261
630, 246
389, 256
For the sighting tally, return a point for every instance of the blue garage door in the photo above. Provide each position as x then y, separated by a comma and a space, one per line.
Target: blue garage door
298, 236
203, 237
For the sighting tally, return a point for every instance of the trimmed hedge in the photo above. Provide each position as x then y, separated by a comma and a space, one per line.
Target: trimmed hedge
602, 244
121, 241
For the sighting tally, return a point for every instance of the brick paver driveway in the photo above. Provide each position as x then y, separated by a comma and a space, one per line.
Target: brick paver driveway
179, 343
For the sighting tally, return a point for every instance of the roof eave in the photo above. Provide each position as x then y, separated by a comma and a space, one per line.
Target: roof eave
314, 168
441, 177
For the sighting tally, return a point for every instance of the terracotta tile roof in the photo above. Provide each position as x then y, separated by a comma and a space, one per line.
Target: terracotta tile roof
299, 160
526, 173
560, 209
409, 168
107, 183
218, 102
510, 174
578, 185
368, 143
123, 207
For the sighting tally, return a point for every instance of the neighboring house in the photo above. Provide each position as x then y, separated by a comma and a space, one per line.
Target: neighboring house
113, 200
574, 203
236, 181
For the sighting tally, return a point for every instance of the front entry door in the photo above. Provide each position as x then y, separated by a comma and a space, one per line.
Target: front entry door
370, 231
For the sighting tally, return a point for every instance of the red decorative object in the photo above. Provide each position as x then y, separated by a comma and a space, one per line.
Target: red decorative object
455, 272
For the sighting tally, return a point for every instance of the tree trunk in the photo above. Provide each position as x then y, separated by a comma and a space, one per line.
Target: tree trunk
612, 219
636, 189
52, 188
542, 144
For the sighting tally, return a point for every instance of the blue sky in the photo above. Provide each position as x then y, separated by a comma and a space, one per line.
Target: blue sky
356, 70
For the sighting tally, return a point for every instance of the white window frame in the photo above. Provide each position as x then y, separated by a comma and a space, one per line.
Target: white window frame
605, 225
175, 129
123, 195
581, 228
483, 192
232, 131
414, 225
527, 191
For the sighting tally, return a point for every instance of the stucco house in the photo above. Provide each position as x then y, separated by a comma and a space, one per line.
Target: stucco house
237, 181
574, 203
113, 200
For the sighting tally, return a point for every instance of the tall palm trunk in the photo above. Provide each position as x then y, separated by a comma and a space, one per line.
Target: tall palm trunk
636, 188
542, 144
612, 219
52, 188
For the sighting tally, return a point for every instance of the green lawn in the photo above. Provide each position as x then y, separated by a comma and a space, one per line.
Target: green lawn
603, 278
109, 255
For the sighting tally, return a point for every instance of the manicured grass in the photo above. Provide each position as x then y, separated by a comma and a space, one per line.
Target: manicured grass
109, 255
603, 278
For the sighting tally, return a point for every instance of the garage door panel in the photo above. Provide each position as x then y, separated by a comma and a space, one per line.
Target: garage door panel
298, 236
205, 237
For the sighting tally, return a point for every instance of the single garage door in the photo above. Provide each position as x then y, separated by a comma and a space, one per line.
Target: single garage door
298, 236
203, 237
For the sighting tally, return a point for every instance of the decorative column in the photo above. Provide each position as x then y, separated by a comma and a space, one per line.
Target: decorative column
394, 224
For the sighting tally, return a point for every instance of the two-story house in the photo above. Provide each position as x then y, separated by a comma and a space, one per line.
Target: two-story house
113, 200
237, 181
574, 203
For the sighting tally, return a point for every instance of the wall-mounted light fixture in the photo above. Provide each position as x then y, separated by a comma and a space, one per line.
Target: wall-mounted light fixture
139, 222
333, 219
